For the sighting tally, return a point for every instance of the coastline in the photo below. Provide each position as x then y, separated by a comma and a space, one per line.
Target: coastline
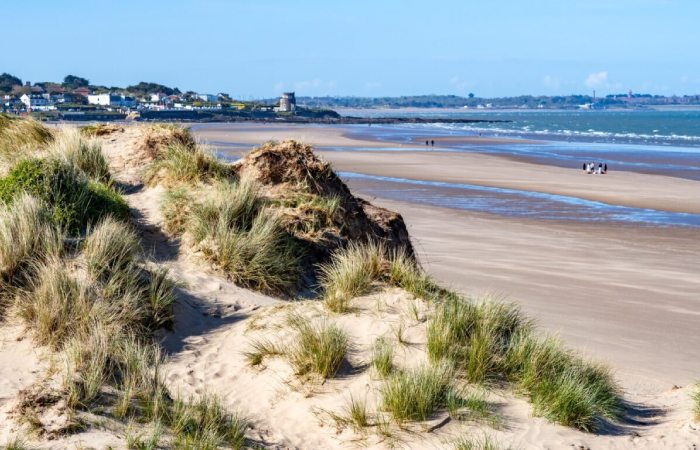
609, 290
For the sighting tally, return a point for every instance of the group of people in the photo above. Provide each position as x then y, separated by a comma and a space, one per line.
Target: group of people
590, 167
430, 142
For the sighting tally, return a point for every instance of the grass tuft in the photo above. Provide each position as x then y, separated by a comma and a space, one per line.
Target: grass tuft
246, 240
111, 247
175, 207
261, 348
26, 235
350, 273
205, 424
318, 348
475, 443
85, 154
182, 163
415, 394
383, 357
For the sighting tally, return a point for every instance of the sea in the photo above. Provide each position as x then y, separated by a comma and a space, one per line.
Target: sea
665, 142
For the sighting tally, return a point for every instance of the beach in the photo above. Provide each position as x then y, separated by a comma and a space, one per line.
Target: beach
622, 292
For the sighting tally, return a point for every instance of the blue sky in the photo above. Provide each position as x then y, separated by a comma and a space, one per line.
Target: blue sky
258, 48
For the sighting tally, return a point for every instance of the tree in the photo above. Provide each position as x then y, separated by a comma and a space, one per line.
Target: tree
471, 95
73, 82
7, 81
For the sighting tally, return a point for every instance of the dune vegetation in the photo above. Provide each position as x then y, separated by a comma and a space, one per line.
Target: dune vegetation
73, 271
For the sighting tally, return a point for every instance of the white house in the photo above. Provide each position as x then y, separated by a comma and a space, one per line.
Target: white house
113, 100
35, 102
207, 98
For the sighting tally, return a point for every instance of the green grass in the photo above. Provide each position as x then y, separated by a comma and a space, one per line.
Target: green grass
417, 393
180, 164
382, 357
74, 202
26, 236
110, 247
476, 443
205, 424
562, 386
85, 154
491, 340
17, 443
350, 273
356, 413
405, 273
245, 240
260, 349
175, 208
21, 137
56, 305
318, 348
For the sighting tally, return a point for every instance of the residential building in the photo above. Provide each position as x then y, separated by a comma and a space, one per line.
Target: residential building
36, 102
208, 98
113, 100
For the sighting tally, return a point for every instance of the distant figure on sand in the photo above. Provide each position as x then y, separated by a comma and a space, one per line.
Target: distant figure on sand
591, 167
432, 143
426, 142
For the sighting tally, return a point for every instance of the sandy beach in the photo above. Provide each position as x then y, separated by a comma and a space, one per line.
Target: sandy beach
626, 294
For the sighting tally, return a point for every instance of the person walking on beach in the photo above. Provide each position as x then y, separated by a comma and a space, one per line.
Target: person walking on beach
432, 143
426, 142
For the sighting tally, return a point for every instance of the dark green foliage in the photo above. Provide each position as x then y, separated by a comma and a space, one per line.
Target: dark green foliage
74, 202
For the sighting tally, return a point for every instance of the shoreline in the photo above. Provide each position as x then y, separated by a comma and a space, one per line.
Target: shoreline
609, 290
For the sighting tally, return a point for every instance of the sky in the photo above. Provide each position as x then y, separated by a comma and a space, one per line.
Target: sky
259, 48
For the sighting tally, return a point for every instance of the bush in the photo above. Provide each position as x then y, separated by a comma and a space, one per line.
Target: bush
73, 202
350, 273
317, 348
416, 394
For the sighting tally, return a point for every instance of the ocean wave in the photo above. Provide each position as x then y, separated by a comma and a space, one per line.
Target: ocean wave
590, 133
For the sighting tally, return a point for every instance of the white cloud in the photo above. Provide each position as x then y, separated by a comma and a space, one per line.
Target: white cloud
597, 79
551, 82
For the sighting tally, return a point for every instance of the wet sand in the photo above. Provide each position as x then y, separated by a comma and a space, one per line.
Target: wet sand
624, 294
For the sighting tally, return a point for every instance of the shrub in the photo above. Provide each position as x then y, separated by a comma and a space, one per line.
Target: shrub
73, 202
350, 273
382, 357
205, 424
416, 394
85, 154
318, 348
